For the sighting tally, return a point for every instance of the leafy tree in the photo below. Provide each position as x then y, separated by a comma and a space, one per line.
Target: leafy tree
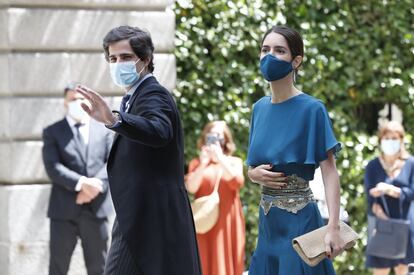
358, 57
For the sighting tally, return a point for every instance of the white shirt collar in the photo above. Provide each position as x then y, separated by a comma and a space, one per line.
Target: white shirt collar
72, 122
136, 85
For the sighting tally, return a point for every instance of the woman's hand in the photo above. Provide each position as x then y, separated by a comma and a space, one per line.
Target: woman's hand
204, 156
378, 211
376, 192
389, 189
261, 175
383, 188
334, 245
215, 151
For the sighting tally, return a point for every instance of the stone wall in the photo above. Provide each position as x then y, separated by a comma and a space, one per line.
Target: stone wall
45, 44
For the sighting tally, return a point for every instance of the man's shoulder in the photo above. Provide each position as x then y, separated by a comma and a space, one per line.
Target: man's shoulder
153, 89
152, 84
56, 125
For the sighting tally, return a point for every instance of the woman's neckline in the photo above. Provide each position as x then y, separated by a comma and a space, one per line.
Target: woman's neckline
286, 100
389, 171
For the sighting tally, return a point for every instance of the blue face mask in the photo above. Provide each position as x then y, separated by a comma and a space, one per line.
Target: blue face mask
124, 74
274, 68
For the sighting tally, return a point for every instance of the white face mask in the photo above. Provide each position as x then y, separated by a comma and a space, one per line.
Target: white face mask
390, 146
124, 74
76, 112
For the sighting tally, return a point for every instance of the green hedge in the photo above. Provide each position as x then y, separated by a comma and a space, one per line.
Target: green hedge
358, 57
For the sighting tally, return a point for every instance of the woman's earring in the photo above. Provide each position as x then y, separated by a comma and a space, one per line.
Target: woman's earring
294, 76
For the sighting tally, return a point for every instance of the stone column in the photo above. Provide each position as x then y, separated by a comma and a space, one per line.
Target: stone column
45, 44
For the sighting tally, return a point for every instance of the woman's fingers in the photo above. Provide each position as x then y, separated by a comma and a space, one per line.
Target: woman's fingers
264, 166
262, 175
336, 250
267, 167
328, 251
269, 178
333, 250
375, 192
275, 184
274, 176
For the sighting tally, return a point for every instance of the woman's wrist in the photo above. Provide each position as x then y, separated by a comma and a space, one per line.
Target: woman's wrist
389, 191
333, 226
393, 191
249, 174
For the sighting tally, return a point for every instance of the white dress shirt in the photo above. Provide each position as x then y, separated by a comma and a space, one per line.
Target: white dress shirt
83, 129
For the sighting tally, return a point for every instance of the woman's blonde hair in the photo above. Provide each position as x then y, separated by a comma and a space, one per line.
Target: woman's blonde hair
228, 146
394, 127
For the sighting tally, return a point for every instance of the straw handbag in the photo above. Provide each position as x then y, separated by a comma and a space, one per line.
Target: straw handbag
311, 246
206, 208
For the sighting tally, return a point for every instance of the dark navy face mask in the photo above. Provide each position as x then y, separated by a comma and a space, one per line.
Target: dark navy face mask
274, 68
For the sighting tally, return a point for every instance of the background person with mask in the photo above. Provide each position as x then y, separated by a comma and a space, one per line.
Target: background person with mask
222, 247
75, 153
153, 233
390, 174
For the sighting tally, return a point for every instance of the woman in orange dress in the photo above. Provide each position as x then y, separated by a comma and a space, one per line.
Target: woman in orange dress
222, 247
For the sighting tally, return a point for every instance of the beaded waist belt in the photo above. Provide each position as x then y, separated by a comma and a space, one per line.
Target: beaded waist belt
292, 198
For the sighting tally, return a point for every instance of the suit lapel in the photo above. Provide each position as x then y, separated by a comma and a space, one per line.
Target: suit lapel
136, 93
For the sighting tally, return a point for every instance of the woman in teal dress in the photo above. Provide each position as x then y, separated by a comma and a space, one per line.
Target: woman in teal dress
290, 136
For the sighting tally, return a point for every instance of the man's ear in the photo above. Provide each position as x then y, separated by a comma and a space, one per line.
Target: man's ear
297, 61
147, 62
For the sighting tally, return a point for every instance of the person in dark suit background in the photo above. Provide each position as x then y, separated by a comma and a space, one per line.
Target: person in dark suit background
75, 153
153, 233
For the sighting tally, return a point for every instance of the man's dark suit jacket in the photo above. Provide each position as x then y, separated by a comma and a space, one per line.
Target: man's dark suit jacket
146, 178
65, 164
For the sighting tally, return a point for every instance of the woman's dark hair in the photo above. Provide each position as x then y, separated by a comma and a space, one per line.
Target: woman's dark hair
139, 40
293, 38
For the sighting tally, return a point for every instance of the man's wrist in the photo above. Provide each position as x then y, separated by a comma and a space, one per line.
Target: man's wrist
79, 184
116, 119
99, 184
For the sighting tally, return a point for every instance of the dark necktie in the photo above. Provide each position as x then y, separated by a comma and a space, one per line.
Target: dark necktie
124, 101
79, 139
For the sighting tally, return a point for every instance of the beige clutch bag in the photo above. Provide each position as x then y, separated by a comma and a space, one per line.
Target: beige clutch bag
311, 246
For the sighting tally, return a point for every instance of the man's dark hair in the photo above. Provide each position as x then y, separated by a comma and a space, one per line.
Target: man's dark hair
139, 40
69, 87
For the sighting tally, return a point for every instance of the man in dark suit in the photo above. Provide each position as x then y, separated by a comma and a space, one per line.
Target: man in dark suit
75, 154
154, 230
